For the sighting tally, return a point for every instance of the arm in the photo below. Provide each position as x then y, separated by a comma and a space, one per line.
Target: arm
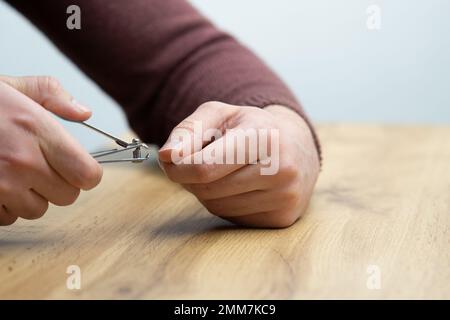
161, 60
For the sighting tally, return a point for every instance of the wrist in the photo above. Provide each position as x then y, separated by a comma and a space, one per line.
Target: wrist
289, 117
298, 126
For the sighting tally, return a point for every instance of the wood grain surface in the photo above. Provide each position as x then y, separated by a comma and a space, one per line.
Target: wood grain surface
382, 201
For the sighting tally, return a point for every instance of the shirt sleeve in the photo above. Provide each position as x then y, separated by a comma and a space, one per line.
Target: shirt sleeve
159, 59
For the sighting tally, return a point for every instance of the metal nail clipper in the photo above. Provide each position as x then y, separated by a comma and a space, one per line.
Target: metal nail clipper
138, 148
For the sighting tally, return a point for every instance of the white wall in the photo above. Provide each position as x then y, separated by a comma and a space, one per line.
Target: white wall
339, 69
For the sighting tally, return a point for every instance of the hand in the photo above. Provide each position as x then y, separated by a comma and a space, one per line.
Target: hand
39, 161
238, 191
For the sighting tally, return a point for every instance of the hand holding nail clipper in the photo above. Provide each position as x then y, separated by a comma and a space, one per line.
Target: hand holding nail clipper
39, 161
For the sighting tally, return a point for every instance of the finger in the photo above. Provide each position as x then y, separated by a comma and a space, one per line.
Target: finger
271, 219
67, 157
187, 137
244, 204
48, 92
244, 180
218, 159
197, 173
6, 218
64, 154
28, 205
51, 186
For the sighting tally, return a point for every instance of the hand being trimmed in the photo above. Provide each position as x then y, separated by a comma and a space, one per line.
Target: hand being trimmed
238, 191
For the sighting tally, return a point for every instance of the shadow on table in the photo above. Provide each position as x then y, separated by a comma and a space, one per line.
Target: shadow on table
189, 225
25, 243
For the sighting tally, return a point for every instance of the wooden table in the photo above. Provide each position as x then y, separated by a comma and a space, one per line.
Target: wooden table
378, 227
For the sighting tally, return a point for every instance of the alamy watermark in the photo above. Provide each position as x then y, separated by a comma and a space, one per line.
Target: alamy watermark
73, 22
374, 279
373, 21
73, 281
235, 146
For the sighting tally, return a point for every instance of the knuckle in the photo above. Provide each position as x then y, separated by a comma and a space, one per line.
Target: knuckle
218, 106
202, 173
37, 212
8, 220
26, 120
285, 219
192, 188
200, 190
289, 171
27, 161
290, 197
209, 105
254, 110
49, 84
18, 160
213, 206
69, 198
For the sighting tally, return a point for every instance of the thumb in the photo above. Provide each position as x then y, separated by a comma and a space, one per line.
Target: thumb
48, 92
187, 137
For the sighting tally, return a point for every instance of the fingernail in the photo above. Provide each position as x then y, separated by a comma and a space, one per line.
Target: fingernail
81, 108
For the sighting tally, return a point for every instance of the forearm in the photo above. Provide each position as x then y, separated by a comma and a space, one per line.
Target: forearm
159, 59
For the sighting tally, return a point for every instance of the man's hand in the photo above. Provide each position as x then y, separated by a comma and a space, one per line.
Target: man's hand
236, 190
39, 161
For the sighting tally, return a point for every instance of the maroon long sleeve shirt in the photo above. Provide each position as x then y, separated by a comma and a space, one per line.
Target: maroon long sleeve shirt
159, 59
